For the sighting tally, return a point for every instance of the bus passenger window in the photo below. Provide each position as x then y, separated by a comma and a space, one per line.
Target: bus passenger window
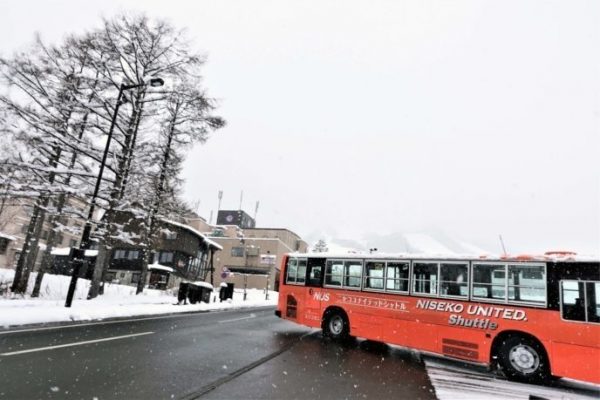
572, 296
292, 268
425, 278
374, 275
334, 273
489, 281
352, 273
527, 283
301, 276
397, 277
454, 279
593, 301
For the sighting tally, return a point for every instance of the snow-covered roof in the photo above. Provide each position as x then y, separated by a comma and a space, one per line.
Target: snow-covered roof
65, 251
195, 232
7, 236
61, 251
549, 256
160, 267
202, 284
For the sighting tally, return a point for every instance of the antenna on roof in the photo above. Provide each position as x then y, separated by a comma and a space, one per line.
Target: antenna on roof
210, 219
256, 210
502, 243
220, 195
241, 199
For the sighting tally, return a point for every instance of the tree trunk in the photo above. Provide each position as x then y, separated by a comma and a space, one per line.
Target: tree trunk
99, 271
29, 262
47, 257
143, 276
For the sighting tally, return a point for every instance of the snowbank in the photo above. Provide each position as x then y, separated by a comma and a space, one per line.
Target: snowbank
117, 301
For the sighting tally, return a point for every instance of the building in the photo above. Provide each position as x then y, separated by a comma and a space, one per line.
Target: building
15, 215
238, 218
250, 256
180, 253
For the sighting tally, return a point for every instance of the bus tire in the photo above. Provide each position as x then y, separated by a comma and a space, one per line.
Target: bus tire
523, 359
336, 325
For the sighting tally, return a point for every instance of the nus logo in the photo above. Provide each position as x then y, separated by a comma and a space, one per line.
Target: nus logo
319, 296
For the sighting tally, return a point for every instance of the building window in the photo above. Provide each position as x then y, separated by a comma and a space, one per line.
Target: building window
237, 252
119, 254
73, 243
166, 257
44, 235
135, 278
133, 254
59, 239
3, 245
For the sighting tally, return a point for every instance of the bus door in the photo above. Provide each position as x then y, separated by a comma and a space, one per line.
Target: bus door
315, 271
576, 346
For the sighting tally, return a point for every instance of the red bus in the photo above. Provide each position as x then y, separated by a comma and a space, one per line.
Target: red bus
530, 317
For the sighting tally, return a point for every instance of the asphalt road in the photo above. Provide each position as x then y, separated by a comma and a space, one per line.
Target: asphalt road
244, 354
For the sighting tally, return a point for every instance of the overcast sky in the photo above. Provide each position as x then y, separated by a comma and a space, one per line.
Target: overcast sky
348, 118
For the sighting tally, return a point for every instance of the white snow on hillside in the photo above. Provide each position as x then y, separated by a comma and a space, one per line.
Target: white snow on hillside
407, 243
421, 243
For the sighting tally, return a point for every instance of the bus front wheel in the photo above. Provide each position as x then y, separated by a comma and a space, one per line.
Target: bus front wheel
336, 325
523, 359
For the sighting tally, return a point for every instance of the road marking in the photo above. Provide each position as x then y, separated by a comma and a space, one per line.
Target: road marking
75, 344
238, 319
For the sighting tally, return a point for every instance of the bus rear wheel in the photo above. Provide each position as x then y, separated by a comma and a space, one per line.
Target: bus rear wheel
336, 325
523, 359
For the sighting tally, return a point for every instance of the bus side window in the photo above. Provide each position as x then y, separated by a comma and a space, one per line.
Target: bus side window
425, 278
334, 273
374, 275
573, 304
593, 301
301, 277
489, 281
291, 270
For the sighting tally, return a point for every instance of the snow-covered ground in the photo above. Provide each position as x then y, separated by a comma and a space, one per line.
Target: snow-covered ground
117, 301
453, 382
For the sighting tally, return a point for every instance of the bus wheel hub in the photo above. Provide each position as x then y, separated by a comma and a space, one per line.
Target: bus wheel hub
524, 359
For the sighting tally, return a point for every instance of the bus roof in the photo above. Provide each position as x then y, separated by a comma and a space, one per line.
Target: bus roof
549, 256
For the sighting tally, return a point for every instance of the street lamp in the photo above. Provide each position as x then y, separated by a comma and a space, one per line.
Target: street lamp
77, 255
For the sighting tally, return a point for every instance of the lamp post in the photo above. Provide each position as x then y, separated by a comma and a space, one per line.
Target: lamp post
77, 255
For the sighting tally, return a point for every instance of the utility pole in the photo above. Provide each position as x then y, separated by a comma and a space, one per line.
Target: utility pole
78, 255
